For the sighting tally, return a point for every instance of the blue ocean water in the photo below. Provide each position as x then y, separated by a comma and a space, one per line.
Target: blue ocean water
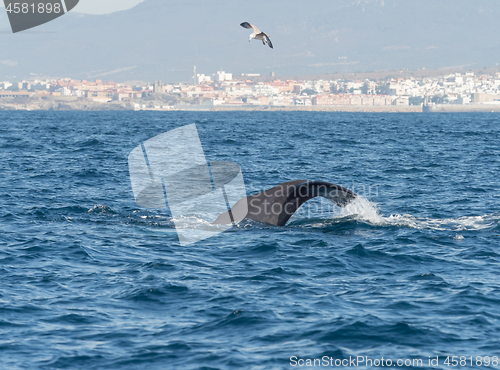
88, 280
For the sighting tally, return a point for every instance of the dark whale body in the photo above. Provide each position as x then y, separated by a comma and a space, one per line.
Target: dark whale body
275, 206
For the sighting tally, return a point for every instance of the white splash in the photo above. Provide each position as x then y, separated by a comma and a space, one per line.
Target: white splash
364, 210
361, 209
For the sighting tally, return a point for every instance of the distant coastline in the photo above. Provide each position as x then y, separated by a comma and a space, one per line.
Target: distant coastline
72, 104
223, 92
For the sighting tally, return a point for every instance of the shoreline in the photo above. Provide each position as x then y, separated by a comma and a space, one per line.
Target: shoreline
318, 108
73, 104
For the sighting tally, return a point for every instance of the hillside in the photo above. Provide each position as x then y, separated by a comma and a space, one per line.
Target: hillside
163, 39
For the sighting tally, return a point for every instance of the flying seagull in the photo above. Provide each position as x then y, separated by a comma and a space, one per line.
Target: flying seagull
257, 34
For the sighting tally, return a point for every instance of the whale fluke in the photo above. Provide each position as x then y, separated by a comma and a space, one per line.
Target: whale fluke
276, 205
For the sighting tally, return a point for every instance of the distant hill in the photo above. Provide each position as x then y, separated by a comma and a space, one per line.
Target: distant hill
163, 39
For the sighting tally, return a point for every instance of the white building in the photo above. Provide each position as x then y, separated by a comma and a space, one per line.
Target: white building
301, 102
201, 78
222, 76
64, 91
463, 99
265, 90
214, 102
238, 90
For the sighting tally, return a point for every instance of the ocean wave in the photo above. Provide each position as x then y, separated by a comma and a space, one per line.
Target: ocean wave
100, 209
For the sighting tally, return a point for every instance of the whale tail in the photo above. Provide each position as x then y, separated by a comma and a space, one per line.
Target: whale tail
276, 205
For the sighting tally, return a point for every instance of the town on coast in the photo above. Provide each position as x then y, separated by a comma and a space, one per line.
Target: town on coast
458, 91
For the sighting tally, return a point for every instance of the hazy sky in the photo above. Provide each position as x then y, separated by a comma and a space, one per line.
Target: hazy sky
334, 36
101, 6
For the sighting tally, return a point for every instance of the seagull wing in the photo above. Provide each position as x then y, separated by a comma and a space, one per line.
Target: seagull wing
248, 25
268, 40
